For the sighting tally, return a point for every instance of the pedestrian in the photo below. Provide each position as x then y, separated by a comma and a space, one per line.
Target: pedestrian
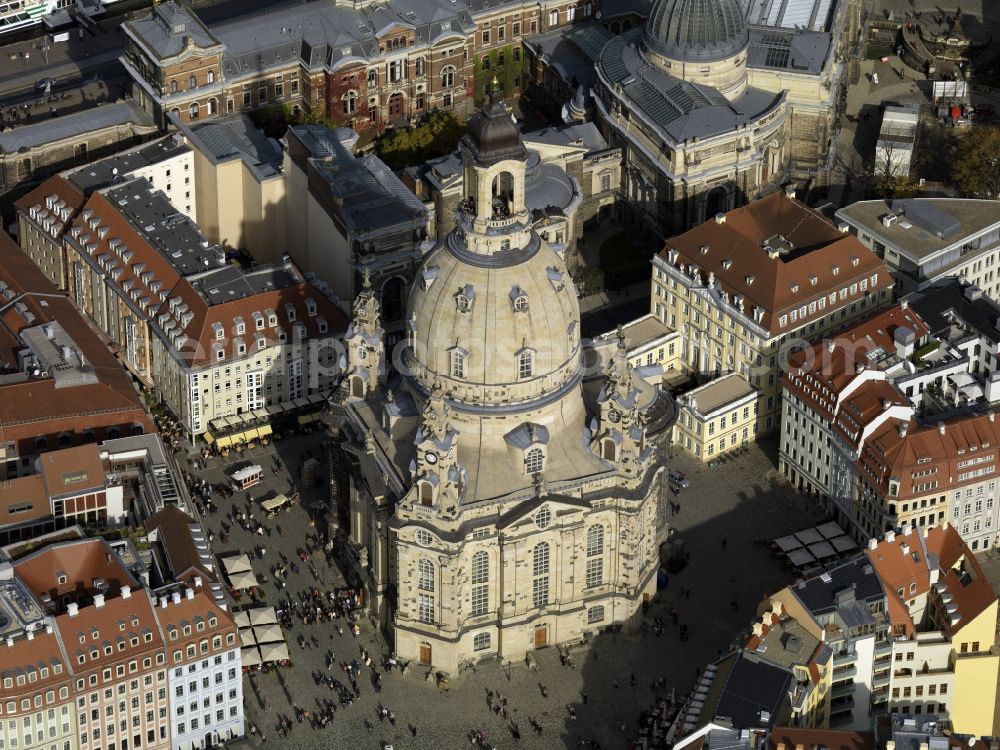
631, 680
723, 542
585, 699
614, 684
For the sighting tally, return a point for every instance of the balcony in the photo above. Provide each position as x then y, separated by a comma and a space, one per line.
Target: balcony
845, 673
883, 648
842, 690
880, 680
841, 659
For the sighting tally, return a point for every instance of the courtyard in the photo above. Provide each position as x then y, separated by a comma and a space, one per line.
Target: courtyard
741, 503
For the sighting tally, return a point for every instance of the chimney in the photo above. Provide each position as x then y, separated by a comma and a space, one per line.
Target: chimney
48, 628
885, 403
890, 745
903, 428
197, 582
831, 345
927, 531
904, 304
940, 427
98, 600
890, 536
31, 635
907, 528
164, 602
799, 746
72, 609
945, 524
873, 544
790, 192
758, 629
905, 548
10, 642
126, 592
720, 218
843, 227
189, 594
176, 597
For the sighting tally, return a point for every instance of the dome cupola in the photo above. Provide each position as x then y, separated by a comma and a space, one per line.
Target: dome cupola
696, 30
493, 135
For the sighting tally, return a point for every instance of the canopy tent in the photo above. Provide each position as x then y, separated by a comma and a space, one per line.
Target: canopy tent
788, 543
830, 529
305, 419
800, 558
247, 637
269, 633
961, 379
274, 652
250, 656
315, 398
808, 536
237, 564
843, 543
821, 550
242, 580
262, 616
242, 620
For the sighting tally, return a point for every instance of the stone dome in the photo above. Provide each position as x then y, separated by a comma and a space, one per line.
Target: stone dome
489, 310
493, 135
696, 30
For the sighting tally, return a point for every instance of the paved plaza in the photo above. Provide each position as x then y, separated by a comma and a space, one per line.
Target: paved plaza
739, 502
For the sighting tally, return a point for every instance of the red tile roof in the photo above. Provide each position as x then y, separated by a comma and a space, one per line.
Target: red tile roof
80, 562
40, 652
173, 530
905, 562
789, 738
823, 260
59, 187
36, 407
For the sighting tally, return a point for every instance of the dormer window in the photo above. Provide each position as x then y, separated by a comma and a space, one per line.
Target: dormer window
462, 303
220, 352
310, 307
795, 288
855, 260
272, 318
258, 321
290, 311
813, 280
241, 348
239, 326
519, 299
261, 343
220, 332
321, 324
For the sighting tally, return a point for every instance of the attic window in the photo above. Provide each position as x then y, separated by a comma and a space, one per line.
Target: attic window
310, 307
813, 280
726, 264
835, 270
795, 288
749, 280
855, 260
704, 249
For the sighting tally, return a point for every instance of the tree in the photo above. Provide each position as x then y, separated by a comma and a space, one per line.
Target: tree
977, 163
436, 136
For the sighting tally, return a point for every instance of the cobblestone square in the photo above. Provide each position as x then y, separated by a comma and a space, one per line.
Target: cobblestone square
715, 596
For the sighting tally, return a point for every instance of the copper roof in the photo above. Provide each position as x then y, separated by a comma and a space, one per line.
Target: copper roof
79, 564
812, 259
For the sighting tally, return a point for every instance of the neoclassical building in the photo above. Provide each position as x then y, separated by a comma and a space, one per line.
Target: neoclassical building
499, 497
709, 110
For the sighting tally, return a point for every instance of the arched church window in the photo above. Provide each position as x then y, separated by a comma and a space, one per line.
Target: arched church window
480, 584
425, 586
525, 363
534, 461
458, 361
540, 575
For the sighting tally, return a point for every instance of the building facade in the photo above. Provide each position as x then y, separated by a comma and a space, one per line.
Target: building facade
484, 473
923, 240
745, 286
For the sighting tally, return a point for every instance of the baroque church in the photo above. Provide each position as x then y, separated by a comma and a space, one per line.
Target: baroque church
497, 496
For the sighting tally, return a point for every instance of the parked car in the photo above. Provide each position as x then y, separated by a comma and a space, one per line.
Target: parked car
678, 478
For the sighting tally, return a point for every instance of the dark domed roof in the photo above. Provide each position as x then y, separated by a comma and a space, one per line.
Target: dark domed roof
493, 135
696, 30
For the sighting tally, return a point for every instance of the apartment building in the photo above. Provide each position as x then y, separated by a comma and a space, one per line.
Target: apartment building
844, 607
43, 217
111, 641
345, 213
240, 186
205, 675
650, 348
746, 285
132, 668
923, 240
216, 340
943, 614
62, 386
718, 417
783, 641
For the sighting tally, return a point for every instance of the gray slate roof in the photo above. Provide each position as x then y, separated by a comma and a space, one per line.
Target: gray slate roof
72, 126
572, 53
164, 29
754, 685
585, 134
796, 51
947, 296
682, 110
818, 594
237, 137
99, 174
368, 194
